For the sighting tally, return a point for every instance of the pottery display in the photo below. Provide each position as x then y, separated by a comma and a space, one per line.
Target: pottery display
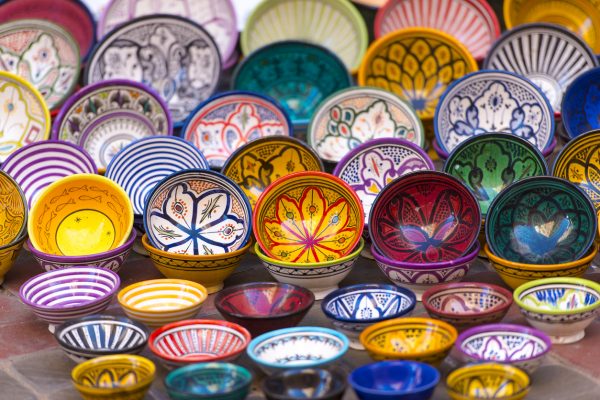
8, 255
579, 109
215, 381
306, 383
14, 210
487, 381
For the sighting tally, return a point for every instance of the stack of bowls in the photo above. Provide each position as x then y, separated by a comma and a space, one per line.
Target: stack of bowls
14, 216
314, 383
487, 381
215, 381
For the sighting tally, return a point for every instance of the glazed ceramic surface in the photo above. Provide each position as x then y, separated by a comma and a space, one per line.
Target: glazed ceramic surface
107, 116
488, 381
308, 217
215, 381
296, 74
547, 54
226, 122
579, 107
541, 220
489, 163
13, 214
416, 64
308, 383
173, 55
257, 164
8, 255
351, 117
197, 212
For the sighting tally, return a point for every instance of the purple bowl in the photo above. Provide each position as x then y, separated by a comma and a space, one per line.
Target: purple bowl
444, 155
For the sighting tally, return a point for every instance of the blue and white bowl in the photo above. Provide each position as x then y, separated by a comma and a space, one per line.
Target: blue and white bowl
580, 106
352, 308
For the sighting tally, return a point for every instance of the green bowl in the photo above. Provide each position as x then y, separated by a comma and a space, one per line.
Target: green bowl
215, 381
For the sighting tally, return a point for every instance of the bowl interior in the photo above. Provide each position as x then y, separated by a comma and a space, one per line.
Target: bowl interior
503, 346
162, 295
208, 379
488, 382
368, 304
466, 301
395, 377
102, 335
304, 384
114, 372
559, 297
410, 338
14, 210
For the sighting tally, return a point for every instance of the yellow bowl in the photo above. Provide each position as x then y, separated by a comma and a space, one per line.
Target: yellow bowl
13, 218
488, 381
419, 339
515, 274
8, 255
80, 215
116, 377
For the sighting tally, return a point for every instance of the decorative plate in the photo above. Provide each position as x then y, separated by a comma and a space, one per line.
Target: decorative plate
372, 165
173, 55
37, 165
226, 122
197, 212
493, 101
549, 55
334, 24
259, 163
13, 214
308, 217
107, 116
353, 116
580, 107
488, 163
298, 75
472, 22
417, 64
541, 220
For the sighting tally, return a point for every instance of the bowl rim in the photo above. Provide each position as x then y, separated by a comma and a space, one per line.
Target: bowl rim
420, 365
242, 372
335, 373
566, 116
540, 283
590, 255
192, 257
443, 155
23, 229
162, 281
130, 358
471, 255
455, 376
567, 147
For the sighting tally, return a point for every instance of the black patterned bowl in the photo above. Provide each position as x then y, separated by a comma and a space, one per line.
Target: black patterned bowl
313, 383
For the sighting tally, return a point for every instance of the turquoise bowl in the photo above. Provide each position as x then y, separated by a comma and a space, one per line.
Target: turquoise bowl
215, 381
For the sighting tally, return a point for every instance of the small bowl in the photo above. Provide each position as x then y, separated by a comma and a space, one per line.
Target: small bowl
215, 381
264, 306
99, 335
487, 381
114, 377
14, 210
8, 255
352, 308
198, 341
300, 347
395, 380
313, 383
561, 307
158, 302
516, 345
581, 95
418, 339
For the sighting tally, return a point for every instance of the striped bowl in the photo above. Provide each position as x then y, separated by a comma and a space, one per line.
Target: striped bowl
57, 296
161, 301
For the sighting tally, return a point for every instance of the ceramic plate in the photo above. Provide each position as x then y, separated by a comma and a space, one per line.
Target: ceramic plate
107, 116
13, 213
472, 22
416, 64
353, 116
580, 107
334, 24
259, 163
174, 56
197, 212
225, 122
493, 101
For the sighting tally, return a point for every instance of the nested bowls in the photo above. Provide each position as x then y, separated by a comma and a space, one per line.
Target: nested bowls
313, 383
14, 210
487, 381
579, 107
9, 253
215, 381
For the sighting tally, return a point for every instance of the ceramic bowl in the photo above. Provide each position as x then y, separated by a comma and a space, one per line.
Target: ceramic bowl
58, 296
541, 220
561, 307
300, 347
579, 107
264, 306
99, 335
352, 308
308, 217
307, 383
14, 211
416, 64
215, 381
394, 380
8, 255
298, 75
418, 339
321, 278
487, 381
114, 377
198, 341
516, 345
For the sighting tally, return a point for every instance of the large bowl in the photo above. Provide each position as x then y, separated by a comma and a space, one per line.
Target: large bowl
579, 107
487, 381
313, 383
8, 255
14, 212
214, 381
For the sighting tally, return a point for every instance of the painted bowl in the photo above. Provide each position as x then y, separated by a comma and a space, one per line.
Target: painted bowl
424, 217
298, 75
579, 108
516, 345
198, 341
197, 212
157, 302
300, 347
261, 307
487, 381
14, 213
392, 63
352, 308
8, 255
488, 163
215, 381
58, 296
394, 380
308, 217
99, 335
561, 307
541, 220
114, 377
257, 164
307, 383
351, 117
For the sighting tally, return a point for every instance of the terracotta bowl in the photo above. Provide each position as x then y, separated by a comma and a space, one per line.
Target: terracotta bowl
214, 381
320, 384
487, 381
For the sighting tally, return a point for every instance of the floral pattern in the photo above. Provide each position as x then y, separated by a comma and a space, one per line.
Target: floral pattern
557, 298
509, 347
